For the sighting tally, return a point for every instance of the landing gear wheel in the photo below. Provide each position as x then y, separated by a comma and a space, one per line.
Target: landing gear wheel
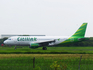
29, 46
15, 47
44, 48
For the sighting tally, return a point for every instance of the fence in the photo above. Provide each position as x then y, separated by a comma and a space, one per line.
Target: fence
28, 63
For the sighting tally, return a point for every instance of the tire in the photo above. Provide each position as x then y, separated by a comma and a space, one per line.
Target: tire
44, 48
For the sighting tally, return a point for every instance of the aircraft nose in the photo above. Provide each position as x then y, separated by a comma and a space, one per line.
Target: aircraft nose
5, 42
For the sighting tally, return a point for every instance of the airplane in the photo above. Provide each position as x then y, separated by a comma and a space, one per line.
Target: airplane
43, 41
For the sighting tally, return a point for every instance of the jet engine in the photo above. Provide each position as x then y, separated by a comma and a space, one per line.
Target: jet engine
34, 45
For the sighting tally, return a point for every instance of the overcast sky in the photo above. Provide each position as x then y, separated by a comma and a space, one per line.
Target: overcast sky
45, 17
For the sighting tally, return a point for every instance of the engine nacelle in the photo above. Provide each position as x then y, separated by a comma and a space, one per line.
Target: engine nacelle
34, 45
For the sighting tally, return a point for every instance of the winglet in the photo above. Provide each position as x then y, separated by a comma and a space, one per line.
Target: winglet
81, 31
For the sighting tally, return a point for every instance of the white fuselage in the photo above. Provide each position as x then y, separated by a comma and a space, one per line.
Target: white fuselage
27, 40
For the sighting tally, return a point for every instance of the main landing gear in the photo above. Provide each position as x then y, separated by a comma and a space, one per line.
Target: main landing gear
44, 48
29, 46
15, 47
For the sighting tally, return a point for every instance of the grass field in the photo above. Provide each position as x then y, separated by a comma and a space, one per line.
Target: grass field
44, 60
50, 50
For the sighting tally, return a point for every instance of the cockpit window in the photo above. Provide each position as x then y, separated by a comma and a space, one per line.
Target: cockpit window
8, 39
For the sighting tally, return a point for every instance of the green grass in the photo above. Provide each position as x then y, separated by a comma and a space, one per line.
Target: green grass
15, 61
26, 63
50, 50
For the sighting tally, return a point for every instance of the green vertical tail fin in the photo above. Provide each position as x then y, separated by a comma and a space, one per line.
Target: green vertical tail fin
81, 31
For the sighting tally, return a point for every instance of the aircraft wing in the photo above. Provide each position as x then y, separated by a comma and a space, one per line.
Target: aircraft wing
44, 43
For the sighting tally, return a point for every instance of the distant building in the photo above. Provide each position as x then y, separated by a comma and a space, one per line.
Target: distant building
5, 35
